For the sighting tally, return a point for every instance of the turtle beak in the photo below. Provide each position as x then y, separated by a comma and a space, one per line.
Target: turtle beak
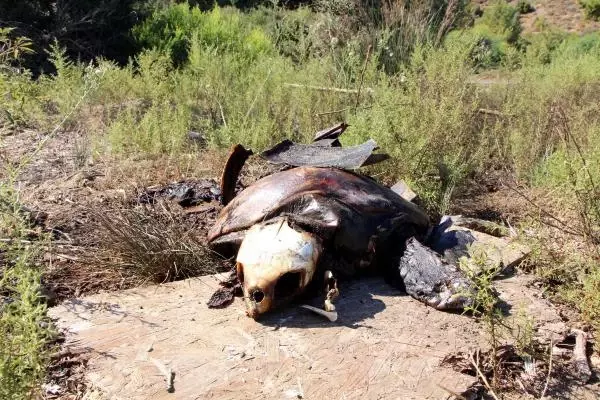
274, 264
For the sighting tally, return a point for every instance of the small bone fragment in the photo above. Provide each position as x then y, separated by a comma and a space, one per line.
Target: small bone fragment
167, 372
330, 315
580, 357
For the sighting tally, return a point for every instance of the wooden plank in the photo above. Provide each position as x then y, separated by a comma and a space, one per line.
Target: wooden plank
384, 346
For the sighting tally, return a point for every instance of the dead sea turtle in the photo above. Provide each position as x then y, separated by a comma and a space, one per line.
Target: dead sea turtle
292, 228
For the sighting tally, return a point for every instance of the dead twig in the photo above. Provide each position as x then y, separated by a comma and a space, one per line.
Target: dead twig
222, 113
341, 110
549, 373
327, 89
362, 77
451, 392
563, 225
483, 378
167, 372
492, 112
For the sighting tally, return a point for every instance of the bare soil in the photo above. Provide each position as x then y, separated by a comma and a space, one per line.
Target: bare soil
564, 14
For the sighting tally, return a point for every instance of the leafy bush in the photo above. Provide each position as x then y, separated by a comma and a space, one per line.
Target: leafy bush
487, 49
500, 18
542, 47
85, 28
551, 44
24, 327
525, 7
591, 8
171, 30
494, 38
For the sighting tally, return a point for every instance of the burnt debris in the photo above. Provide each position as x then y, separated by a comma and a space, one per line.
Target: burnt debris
187, 193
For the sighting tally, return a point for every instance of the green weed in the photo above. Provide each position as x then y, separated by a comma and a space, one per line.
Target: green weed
591, 8
172, 29
24, 327
525, 7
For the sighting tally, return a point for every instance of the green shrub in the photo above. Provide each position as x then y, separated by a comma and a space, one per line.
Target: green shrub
525, 7
171, 30
494, 38
500, 18
24, 326
542, 47
576, 46
487, 49
591, 8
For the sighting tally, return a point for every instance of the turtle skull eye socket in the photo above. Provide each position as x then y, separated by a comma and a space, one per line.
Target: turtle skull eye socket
288, 284
258, 296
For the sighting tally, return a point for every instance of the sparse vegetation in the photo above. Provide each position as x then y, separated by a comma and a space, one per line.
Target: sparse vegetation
153, 244
24, 328
525, 7
225, 73
513, 348
591, 7
481, 271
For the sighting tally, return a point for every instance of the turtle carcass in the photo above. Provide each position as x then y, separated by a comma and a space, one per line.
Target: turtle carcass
290, 227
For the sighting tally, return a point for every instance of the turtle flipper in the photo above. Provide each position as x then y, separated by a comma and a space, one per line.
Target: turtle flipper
451, 244
430, 279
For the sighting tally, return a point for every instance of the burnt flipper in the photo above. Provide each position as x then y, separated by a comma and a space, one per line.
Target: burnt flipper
333, 132
223, 296
431, 280
452, 244
233, 167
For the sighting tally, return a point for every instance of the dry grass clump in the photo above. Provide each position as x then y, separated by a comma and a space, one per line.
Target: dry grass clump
154, 244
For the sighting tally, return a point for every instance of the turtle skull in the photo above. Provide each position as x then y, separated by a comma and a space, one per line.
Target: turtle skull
275, 262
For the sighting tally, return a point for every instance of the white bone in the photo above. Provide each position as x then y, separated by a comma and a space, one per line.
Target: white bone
330, 315
269, 251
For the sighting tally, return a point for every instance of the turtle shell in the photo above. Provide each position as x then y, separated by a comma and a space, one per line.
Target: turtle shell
352, 213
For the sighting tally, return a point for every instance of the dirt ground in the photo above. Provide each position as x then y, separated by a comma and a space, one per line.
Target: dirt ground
365, 355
